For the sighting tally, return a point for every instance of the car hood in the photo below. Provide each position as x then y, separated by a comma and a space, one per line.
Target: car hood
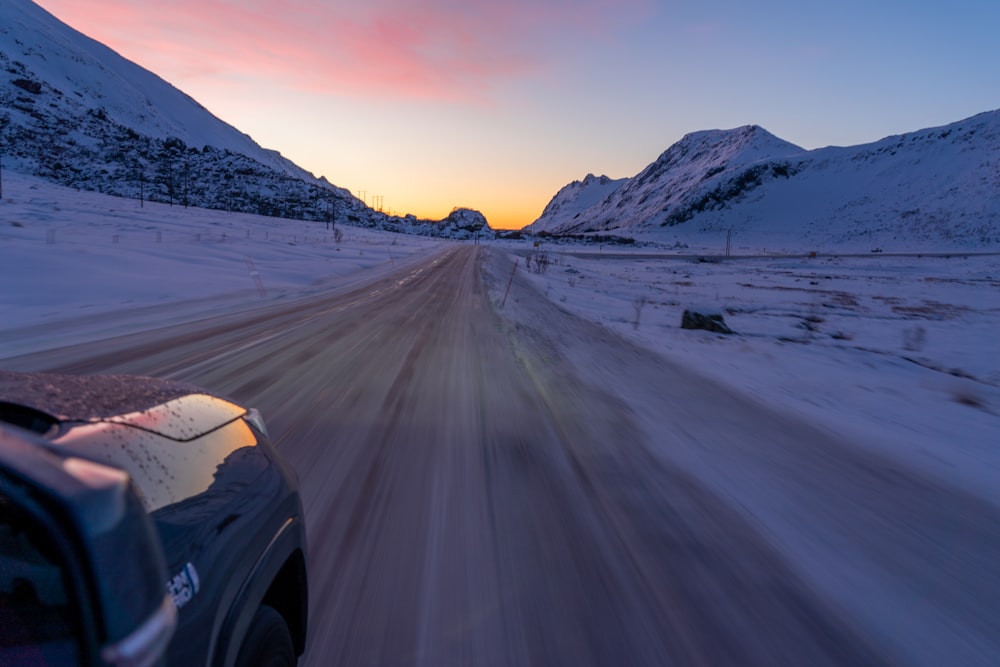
174, 410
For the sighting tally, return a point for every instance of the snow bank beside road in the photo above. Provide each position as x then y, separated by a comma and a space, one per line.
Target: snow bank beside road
903, 547
896, 353
78, 265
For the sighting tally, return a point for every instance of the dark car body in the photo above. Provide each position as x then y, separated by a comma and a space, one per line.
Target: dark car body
223, 505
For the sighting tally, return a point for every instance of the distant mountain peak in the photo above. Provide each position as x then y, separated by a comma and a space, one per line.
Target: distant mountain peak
590, 179
570, 202
749, 143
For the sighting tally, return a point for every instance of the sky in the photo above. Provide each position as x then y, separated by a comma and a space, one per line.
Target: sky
434, 104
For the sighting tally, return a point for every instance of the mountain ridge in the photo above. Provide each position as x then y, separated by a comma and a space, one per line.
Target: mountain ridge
935, 184
129, 94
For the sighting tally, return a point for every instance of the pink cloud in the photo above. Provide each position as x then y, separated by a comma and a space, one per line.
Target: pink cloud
436, 49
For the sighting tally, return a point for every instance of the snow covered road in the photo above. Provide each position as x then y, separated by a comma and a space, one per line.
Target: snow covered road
524, 487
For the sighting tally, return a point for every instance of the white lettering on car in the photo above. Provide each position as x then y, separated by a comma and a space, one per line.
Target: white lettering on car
184, 585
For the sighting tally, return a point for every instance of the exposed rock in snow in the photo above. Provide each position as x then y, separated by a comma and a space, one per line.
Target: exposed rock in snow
707, 320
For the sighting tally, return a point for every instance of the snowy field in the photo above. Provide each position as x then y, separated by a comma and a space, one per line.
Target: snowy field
896, 353
68, 256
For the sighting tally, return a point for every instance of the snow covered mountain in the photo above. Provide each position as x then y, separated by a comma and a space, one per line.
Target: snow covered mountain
50, 59
935, 186
75, 112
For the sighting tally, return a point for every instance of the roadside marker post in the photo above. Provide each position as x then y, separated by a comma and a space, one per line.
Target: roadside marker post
509, 283
256, 276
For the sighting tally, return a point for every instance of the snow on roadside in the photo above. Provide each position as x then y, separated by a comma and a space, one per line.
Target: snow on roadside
866, 527
81, 265
900, 354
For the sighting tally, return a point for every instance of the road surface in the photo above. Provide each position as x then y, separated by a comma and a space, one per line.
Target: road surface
484, 490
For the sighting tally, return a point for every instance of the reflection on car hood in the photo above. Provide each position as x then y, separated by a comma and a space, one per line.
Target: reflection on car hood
184, 418
175, 410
